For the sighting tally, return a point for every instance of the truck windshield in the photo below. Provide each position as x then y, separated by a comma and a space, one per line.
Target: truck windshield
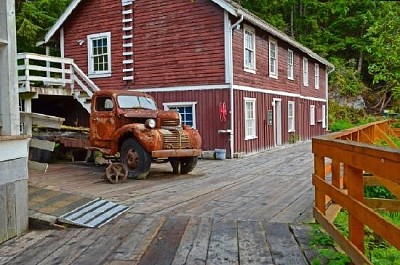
135, 102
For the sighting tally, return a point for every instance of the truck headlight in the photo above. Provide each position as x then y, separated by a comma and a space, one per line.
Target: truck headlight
150, 123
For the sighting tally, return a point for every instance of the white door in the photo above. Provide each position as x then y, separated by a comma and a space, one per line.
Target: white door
277, 103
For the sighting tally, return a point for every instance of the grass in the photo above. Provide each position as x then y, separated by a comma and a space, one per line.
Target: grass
327, 249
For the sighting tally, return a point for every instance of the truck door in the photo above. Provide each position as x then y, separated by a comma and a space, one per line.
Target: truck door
103, 122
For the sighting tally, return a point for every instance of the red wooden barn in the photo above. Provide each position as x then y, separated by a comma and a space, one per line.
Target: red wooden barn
243, 84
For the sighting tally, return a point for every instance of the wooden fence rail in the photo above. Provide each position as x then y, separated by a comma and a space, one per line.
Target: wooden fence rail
344, 163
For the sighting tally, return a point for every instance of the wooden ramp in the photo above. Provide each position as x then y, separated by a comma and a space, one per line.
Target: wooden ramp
149, 240
49, 208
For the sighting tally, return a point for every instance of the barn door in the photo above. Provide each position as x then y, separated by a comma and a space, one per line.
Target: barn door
277, 104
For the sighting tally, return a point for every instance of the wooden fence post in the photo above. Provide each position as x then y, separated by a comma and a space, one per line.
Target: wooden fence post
319, 167
355, 185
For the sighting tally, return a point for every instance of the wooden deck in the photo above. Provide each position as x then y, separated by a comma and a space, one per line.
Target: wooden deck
240, 211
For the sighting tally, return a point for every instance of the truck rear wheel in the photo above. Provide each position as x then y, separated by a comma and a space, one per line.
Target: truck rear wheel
135, 158
183, 165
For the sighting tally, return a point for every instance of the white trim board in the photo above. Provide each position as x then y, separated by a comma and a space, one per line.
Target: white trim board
182, 88
275, 92
236, 87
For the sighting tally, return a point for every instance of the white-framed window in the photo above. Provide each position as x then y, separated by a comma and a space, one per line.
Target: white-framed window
250, 118
316, 76
312, 115
187, 110
249, 49
291, 116
290, 64
99, 54
305, 71
273, 58
323, 116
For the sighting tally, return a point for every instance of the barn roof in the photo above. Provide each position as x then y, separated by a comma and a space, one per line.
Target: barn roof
228, 5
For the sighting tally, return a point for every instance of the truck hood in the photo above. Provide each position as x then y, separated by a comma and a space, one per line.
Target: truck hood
140, 113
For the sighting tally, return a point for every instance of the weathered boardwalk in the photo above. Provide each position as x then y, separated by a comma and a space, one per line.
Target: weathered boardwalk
241, 211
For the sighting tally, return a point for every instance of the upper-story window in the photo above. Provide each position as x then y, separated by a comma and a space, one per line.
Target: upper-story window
305, 71
273, 58
316, 76
249, 50
290, 64
99, 54
250, 118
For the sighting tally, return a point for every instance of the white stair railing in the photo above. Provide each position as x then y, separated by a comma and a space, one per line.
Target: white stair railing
42, 72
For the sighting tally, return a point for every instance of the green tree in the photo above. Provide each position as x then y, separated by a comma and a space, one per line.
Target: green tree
33, 20
383, 51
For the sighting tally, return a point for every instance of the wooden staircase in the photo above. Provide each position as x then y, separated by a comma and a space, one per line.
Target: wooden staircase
48, 75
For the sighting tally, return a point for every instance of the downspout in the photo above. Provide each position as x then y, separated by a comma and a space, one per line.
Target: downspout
327, 97
232, 101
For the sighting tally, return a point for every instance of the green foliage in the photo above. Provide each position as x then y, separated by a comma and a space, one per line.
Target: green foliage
346, 80
332, 257
378, 251
341, 125
384, 48
327, 254
34, 19
293, 138
395, 124
378, 192
344, 117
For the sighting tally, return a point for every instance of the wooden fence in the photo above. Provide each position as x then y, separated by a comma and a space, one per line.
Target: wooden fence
344, 163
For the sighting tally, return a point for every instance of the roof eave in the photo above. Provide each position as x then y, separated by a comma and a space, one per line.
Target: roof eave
60, 22
226, 6
263, 25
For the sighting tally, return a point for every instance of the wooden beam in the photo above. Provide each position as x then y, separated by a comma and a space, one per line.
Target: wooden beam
382, 135
42, 144
383, 204
41, 167
356, 256
381, 161
43, 120
355, 185
319, 167
364, 137
387, 230
332, 211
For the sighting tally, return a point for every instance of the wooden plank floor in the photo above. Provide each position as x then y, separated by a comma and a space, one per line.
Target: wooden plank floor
240, 211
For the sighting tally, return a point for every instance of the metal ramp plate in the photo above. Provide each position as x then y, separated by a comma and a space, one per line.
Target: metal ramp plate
94, 214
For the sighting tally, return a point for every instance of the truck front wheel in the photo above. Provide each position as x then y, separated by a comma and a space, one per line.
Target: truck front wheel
183, 165
135, 158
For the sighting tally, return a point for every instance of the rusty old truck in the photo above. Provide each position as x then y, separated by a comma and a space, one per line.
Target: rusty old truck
128, 127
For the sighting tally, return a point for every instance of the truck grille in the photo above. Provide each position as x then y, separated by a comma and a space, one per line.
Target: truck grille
175, 139
169, 123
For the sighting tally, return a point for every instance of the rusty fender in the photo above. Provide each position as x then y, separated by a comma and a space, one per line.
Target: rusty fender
150, 139
194, 136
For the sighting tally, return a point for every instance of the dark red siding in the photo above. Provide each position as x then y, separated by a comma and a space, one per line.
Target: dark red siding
178, 43
96, 16
265, 131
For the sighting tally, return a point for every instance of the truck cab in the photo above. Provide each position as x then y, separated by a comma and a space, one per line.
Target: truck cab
129, 125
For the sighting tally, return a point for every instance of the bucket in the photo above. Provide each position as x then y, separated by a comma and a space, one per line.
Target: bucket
220, 154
